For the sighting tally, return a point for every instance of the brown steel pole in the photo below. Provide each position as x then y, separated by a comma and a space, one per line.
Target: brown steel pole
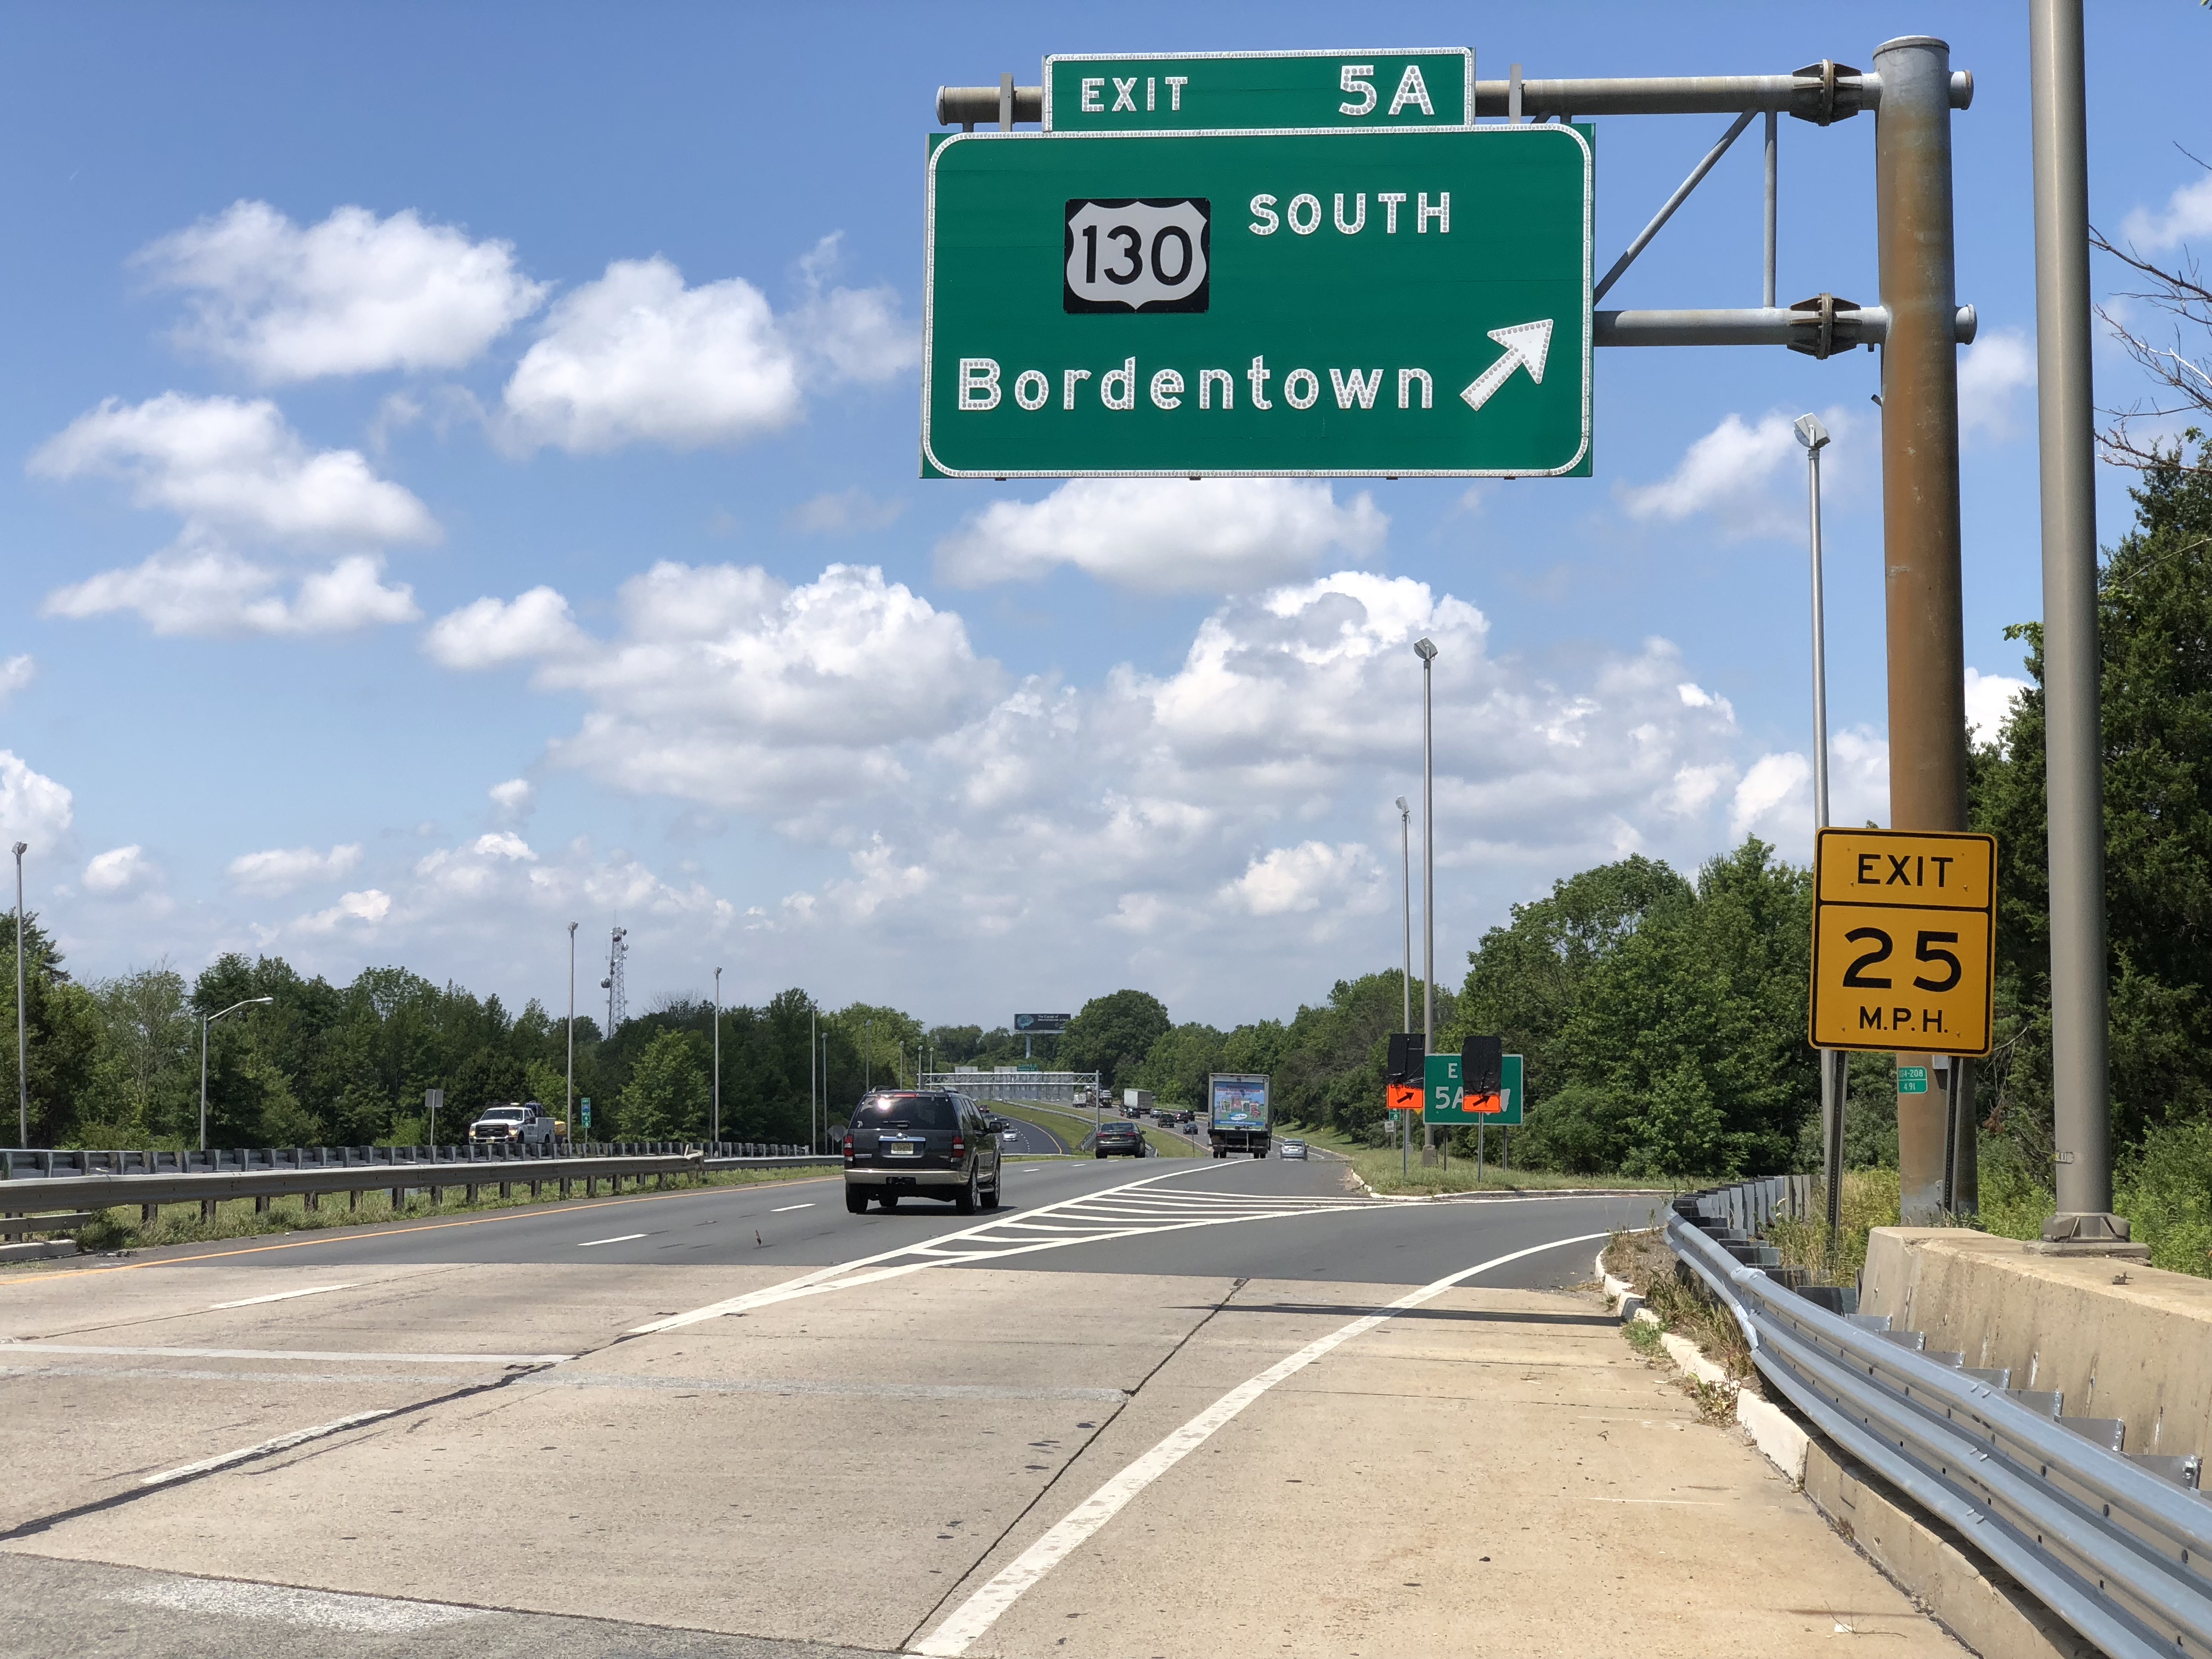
1920, 505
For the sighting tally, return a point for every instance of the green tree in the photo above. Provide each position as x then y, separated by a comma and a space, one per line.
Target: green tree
1113, 1033
1178, 1063
665, 1097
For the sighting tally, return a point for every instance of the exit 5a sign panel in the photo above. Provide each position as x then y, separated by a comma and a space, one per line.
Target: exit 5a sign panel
1356, 302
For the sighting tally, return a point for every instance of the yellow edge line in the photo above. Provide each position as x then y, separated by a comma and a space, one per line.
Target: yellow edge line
334, 1234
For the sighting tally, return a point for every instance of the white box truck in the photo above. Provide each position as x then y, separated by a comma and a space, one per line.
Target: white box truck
1136, 1102
1236, 1113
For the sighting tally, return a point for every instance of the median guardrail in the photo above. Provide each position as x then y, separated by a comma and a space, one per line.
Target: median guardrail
2118, 1549
18, 1163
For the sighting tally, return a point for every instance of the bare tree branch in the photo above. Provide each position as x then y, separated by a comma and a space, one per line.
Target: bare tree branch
2185, 383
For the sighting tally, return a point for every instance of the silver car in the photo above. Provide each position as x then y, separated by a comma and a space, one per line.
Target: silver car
1293, 1149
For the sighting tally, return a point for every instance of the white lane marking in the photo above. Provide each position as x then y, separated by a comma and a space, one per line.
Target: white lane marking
806, 1284
788, 1208
281, 1296
315, 1609
9, 1347
840, 1390
972, 1618
619, 1239
281, 1442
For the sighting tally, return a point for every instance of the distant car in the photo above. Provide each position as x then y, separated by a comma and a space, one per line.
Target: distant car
1188, 1120
1114, 1139
1293, 1149
909, 1143
527, 1125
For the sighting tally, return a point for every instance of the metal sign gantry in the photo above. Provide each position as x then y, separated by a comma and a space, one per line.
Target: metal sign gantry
1918, 325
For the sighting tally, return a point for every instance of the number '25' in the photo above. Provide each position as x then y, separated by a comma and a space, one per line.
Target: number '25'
1924, 950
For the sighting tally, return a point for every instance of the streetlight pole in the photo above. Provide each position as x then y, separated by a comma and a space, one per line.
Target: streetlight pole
1426, 650
2080, 1029
22, 1049
813, 1084
207, 1020
715, 1134
568, 1117
1406, 985
1833, 1093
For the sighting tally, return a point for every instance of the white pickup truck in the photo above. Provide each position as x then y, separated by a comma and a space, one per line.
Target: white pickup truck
528, 1124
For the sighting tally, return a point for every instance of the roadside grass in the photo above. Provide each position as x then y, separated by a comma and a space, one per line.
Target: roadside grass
1379, 1168
120, 1228
1679, 1302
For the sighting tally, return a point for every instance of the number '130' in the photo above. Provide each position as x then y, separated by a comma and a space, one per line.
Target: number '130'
1880, 944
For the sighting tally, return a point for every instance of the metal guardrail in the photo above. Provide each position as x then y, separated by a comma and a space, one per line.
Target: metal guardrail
2120, 1553
18, 1163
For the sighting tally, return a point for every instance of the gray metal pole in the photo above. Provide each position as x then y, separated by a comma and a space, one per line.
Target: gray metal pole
1406, 868
1773, 189
1427, 651
1834, 1092
813, 1087
1920, 506
203, 1031
2079, 1075
23, 1026
714, 1133
568, 1117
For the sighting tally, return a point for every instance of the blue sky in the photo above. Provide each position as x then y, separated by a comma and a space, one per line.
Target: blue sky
462, 481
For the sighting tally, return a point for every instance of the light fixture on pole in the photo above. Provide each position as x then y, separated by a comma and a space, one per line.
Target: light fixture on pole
22, 1049
569, 1117
1425, 649
714, 1133
1833, 1061
207, 1020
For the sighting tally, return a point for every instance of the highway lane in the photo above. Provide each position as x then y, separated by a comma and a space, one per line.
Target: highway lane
1033, 1139
509, 1438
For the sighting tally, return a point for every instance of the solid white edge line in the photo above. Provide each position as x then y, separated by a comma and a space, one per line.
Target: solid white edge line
15, 1346
281, 1442
972, 1618
619, 1239
281, 1296
788, 1208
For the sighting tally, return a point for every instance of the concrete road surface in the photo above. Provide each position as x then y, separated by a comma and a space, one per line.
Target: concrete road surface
1212, 1409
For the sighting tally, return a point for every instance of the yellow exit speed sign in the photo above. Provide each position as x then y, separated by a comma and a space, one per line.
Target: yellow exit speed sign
1904, 940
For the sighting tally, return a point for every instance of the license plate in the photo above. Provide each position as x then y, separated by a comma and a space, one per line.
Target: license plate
899, 1148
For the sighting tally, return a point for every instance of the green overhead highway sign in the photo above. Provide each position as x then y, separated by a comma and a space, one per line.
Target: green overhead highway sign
1371, 301
1255, 91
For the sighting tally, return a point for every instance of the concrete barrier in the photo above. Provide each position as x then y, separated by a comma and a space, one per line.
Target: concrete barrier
2120, 1339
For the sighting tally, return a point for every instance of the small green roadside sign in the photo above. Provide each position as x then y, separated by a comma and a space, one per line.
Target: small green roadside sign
1254, 91
1445, 1100
1362, 302
1913, 1079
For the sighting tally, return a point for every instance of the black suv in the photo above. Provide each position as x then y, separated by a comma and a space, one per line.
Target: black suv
908, 1143
1113, 1138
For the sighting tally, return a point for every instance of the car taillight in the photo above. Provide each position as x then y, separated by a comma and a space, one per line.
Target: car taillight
848, 1145
959, 1147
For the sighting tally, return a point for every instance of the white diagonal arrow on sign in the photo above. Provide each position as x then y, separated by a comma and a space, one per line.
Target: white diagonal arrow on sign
1526, 344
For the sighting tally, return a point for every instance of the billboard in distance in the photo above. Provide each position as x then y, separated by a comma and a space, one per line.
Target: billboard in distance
1041, 1025
1237, 1100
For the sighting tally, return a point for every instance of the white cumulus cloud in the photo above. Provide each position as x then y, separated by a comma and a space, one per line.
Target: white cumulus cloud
1989, 703
1219, 535
232, 469
33, 806
1992, 373
515, 799
350, 296
16, 673
636, 356
364, 909
488, 632
854, 334
1305, 877
219, 593
120, 871
286, 869
1729, 474
2186, 215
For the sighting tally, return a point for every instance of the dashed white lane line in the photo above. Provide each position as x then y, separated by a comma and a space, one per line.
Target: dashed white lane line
281, 1442
972, 1618
281, 1296
787, 1209
619, 1239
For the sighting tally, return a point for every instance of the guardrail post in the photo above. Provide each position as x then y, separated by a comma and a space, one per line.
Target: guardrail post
207, 1210
148, 1214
